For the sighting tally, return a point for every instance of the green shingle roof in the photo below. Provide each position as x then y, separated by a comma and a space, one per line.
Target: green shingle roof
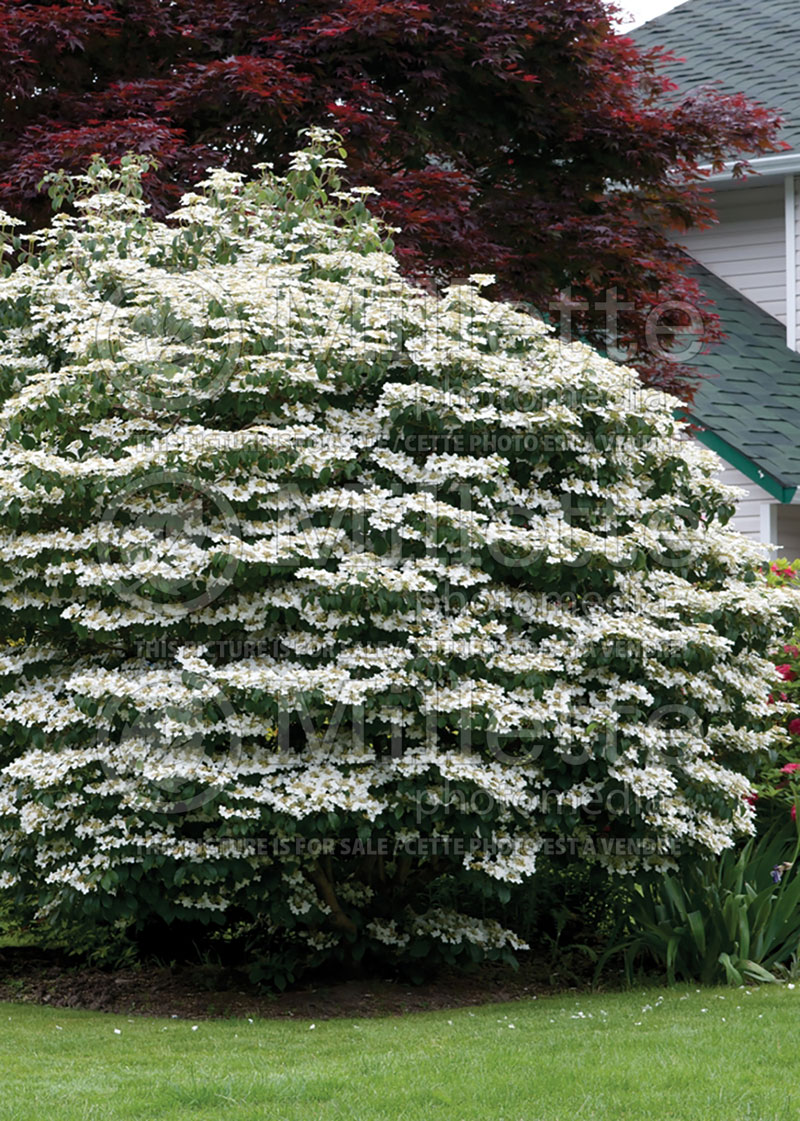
748, 403
749, 46
750, 393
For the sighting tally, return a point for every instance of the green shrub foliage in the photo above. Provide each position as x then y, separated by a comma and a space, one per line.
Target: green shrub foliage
336, 606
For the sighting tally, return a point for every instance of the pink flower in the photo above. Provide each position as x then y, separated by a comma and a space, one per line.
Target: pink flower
794, 726
751, 798
786, 672
795, 653
788, 768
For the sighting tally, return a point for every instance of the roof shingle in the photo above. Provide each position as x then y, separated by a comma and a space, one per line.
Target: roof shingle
750, 392
750, 48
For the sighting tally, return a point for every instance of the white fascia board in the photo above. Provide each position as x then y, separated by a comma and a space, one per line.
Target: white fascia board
787, 163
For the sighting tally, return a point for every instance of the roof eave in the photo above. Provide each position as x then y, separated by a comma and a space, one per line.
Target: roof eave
739, 460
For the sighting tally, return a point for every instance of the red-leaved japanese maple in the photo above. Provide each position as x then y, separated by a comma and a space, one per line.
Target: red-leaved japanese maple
522, 136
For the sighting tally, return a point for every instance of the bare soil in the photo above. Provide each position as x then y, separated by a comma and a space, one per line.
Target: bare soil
209, 992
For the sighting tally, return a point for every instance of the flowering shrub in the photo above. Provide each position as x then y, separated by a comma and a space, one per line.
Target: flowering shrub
782, 573
338, 607
776, 786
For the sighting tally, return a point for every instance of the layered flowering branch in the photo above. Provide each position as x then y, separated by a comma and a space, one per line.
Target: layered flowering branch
333, 603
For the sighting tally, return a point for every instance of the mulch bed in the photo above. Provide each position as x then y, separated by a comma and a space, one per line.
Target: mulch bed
209, 992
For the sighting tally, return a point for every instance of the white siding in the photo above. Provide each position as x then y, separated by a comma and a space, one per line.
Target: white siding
747, 518
752, 517
747, 248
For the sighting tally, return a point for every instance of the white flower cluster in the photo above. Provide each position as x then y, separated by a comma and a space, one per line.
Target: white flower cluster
452, 927
289, 544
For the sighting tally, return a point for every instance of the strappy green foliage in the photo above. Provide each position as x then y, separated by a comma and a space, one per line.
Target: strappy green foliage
720, 921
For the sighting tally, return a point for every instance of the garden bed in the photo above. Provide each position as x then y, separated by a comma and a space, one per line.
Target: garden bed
209, 991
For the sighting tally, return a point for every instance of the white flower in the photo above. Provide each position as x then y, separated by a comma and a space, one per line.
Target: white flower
292, 545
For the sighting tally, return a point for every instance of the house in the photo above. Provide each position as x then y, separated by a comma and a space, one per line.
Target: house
748, 406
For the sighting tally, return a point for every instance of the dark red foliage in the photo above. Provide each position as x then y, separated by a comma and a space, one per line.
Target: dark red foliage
522, 138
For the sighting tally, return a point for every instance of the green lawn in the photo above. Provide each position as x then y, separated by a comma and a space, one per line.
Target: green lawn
714, 1055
